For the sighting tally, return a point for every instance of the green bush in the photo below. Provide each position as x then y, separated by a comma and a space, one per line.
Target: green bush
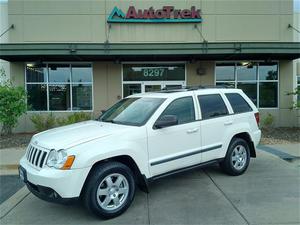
296, 92
12, 105
268, 121
74, 118
45, 122
42, 123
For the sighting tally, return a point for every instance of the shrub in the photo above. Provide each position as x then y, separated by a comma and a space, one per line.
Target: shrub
12, 105
268, 121
296, 104
42, 123
74, 118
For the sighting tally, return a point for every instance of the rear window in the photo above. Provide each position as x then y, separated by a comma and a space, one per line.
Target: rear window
212, 106
238, 103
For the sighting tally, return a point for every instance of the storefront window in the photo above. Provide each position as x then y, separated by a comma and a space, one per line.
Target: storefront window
82, 96
250, 89
246, 71
225, 71
59, 87
259, 80
37, 97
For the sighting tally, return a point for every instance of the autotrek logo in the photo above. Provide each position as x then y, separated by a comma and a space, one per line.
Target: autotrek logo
167, 14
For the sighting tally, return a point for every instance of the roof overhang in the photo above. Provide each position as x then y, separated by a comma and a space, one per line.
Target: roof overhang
149, 51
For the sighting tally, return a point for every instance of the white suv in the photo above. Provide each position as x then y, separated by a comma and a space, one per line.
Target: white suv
141, 138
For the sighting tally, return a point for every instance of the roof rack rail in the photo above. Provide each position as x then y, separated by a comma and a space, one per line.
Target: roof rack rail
192, 88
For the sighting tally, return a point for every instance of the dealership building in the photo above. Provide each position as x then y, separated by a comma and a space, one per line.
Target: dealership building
86, 55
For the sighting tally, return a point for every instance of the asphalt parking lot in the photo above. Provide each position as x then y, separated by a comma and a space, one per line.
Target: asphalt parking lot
268, 193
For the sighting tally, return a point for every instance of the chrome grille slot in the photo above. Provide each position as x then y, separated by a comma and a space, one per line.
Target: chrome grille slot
36, 156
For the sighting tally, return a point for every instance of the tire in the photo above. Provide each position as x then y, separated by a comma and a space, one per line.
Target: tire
237, 157
109, 190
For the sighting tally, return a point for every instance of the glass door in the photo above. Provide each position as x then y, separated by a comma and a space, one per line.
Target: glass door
131, 89
152, 87
152, 77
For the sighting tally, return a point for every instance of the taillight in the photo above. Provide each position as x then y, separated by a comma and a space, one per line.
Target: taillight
257, 118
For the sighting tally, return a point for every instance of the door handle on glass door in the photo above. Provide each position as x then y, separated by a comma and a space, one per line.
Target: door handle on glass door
228, 122
192, 130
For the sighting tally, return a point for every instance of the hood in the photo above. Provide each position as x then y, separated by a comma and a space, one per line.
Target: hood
68, 136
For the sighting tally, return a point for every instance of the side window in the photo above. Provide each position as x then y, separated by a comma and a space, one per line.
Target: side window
238, 103
212, 106
183, 108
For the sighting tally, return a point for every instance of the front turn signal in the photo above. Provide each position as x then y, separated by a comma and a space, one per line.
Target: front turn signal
69, 162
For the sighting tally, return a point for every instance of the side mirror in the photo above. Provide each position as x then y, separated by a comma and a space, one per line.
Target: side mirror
166, 121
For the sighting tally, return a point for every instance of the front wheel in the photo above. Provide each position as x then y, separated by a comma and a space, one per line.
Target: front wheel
109, 190
237, 157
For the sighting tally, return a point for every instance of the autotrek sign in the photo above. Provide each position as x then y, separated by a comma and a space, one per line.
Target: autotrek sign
167, 14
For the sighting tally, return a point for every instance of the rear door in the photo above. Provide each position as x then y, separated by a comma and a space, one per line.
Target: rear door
215, 125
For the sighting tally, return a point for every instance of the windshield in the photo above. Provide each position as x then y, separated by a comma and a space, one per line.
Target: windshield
132, 111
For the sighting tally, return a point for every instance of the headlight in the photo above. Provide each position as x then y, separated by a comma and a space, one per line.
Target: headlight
60, 159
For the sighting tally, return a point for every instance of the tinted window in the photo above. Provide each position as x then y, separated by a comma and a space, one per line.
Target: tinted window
183, 108
238, 103
212, 106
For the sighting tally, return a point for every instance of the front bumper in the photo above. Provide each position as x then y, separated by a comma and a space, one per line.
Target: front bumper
48, 194
53, 183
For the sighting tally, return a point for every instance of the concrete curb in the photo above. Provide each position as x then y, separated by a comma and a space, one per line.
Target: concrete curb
9, 169
13, 201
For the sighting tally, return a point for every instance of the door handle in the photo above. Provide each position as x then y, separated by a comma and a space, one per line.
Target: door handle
228, 123
192, 130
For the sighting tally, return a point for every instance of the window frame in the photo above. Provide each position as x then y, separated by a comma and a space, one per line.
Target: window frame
257, 81
47, 83
195, 111
224, 101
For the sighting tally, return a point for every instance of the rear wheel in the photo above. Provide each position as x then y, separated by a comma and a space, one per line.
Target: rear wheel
237, 158
109, 190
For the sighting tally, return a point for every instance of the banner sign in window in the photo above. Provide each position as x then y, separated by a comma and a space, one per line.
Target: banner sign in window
167, 14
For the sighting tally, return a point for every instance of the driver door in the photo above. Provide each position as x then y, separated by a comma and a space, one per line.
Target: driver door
176, 146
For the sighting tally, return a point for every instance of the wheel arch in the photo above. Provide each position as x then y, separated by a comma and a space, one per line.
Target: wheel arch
246, 136
140, 178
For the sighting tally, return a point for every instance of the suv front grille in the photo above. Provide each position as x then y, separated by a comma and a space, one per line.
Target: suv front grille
36, 156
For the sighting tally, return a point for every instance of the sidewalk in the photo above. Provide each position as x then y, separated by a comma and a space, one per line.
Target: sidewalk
9, 160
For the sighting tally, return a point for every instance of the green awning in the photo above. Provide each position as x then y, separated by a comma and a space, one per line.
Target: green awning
149, 51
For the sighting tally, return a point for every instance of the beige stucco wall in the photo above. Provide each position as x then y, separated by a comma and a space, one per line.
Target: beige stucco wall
207, 78
85, 21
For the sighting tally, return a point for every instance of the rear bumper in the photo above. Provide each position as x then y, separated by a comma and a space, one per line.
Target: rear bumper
256, 137
49, 182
